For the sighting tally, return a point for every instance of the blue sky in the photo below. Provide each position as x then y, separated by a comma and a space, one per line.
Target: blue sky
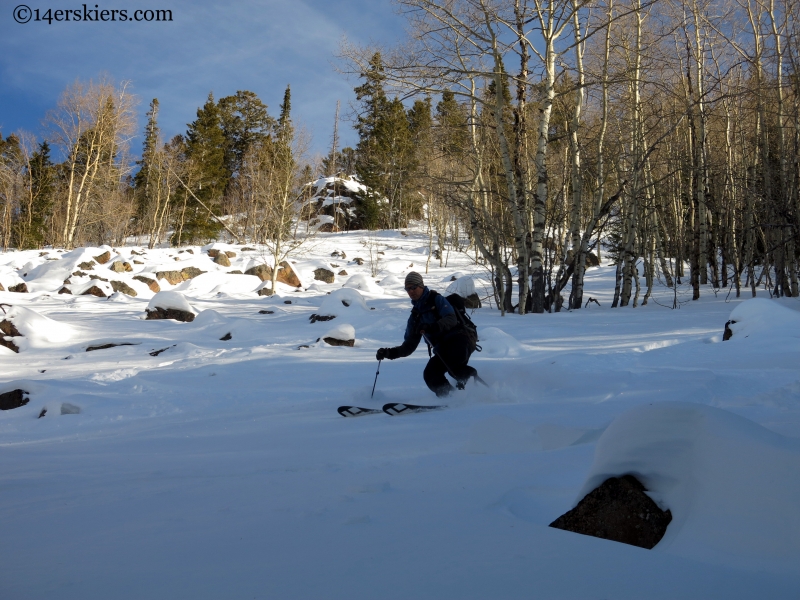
219, 46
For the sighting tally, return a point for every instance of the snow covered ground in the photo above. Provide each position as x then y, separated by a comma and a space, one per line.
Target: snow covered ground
220, 468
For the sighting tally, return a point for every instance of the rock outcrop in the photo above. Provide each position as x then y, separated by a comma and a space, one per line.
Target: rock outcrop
618, 510
324, 275
13, 399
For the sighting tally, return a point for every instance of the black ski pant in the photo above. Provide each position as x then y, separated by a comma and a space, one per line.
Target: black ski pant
454, 353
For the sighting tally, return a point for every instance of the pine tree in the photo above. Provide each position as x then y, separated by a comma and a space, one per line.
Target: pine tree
142, 179
40, 210
245, 123
205, 148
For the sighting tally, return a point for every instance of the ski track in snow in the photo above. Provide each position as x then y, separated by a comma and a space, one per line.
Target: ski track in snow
220, 469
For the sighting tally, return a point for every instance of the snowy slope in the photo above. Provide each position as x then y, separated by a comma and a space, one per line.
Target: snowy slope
208, 468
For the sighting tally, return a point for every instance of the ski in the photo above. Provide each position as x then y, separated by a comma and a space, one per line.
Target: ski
357, 411
398, 408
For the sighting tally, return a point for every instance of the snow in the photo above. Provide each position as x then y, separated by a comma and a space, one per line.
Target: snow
463, 286
170, 299
206, 459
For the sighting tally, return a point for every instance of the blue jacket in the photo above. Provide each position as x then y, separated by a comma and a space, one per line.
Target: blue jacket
437, 318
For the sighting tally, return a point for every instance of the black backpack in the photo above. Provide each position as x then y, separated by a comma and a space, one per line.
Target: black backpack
457, 302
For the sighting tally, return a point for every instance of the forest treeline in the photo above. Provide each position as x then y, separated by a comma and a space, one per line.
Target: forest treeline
536, 135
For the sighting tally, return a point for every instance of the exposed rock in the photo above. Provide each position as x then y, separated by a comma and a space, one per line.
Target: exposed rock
2, 289
138, 262
287, 275
265, 291
151, 283
191, 272
226, 337
592, 260
103, 258
314, 318
123, 287
235, 272
42, 413
324, 275
472, 301
120, 266
213, 253
728, 331
287, 301
169, 313
157, 352
230, 253
8, 329
334, 342
358, 261
137, 253
343, 273
105, 346
266, 312
618, 510
70, 409
19, 288
13, 399
222, 260
65, 290
98, 278
334, 265
79, 274
173, 277
95, 291
190, 251
263, 272
88, 265
248, 249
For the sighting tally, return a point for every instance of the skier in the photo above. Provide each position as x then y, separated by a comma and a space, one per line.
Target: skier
434, 319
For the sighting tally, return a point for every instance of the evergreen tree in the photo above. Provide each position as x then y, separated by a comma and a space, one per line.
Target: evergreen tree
142, 179
245, 122
43, 187
205, 148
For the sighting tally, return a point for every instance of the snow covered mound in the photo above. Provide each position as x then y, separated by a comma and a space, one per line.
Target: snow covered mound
170, 300
343, 301
37, 331
761, 317
363, 283
733, 486
463, 286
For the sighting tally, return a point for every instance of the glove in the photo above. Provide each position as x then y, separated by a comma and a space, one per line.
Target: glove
382, 353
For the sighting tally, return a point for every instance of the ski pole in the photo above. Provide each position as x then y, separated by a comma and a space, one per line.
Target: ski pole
376, 379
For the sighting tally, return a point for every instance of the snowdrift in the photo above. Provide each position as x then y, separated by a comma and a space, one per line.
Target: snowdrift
733, 486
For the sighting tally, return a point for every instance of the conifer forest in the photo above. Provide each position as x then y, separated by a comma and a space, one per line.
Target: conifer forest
537, 136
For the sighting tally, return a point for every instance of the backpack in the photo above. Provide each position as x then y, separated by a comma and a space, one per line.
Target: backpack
457, 302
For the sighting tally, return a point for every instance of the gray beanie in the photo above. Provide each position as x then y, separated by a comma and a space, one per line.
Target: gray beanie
414, 278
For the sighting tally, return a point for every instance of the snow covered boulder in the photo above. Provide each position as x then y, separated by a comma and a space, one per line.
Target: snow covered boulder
618, 510
170, 305
465, 287
762, 318
345, 301
24, 328
342, 335
363, 283
731, 485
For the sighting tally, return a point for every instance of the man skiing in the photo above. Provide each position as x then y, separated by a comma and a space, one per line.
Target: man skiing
435, 320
